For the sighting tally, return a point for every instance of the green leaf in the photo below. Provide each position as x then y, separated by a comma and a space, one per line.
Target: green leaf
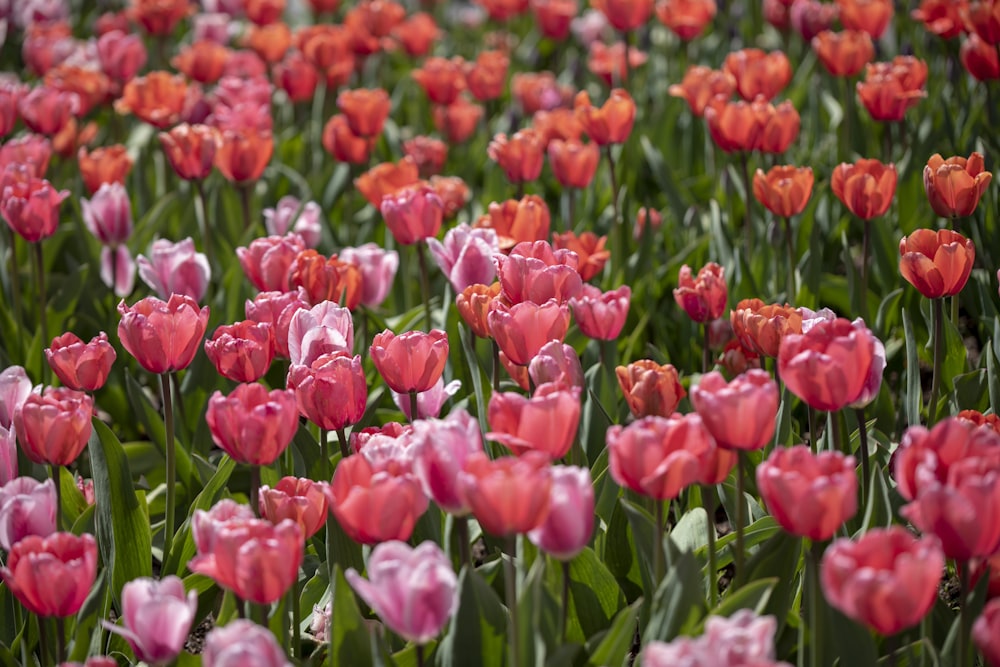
477, 635
679, 601
878, 509
73, 502
614, 645
913, 392
209, 496
150, 419
123, 532
349, 638
778, 558
643, 536
538, 616
595, 596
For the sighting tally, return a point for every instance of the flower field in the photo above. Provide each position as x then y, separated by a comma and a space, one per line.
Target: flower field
523, 332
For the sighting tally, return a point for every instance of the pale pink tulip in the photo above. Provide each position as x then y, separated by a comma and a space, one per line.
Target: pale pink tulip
282, 219
570, 523
378, 269
27, 507
466, 255
156, 617
439, 450
324, 328
175, 268
428, 402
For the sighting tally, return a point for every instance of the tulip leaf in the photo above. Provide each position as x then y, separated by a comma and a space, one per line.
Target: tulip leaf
123, 532
955, 354
778, 558
349, 635
643, 537
611, 647
754, 534
679, 601
756, 596
538, 615
595, 596
913, 391
151, 421
878, 510
73, 503
847, 639
477, 635
209, 496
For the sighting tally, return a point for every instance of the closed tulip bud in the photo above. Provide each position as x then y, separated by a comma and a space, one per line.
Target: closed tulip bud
955, 186
243, 351
686, 18
412, 213
387, 178
520, 156
190, 150
162, 336
417, 34
979, 58
570, 523
15, 387
243, 642
108, 214
545, 422
332, 391
372, 505
758, 73
266, 262
442, 79
466, 255
365, 109
865, 187
31, 208
844, 53
609, 124
762, 327
299, 499
378, 268
704, 297
51, 576
521, 330
740, 414
439, 450
253, 558
242, 155
558, 364
783, 190
650, 389
508, 495
474, 305
54, 427
79, 365
27, 507
157, 618
937, 263
871, 16
324, 328
110, 164
601, 316
810, 495
412, 590
251, 424
175, 268
573, 163
887, 564
778, 126
412, 361
486, 78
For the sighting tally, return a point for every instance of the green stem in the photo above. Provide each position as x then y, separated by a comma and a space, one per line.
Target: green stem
43, 319
740, 512
790, 252
496, 365
962, 656
813, 435
747, 208
627, 79
708, 497
510, 585
866, 473
244, 190
618, 224
464, 553
60, 640
938, 317
255, 489
15, 286
414, 414
658, 557
199, 214
865, 254
293, 601
564, 620
54, 472
324, 454
812, 566
420, 655
425, 286
168, 423
706, 353
342, 440
43, 641
837, 434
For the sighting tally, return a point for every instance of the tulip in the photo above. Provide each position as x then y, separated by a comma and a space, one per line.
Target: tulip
8, 454
740, 639
374, 506
783, 190
870, 16
157, 98
254, 559
78, 365
54, 427
844, 53
51, 576
516, 221
251, 424
701, 85
175, 268
331, 391
888, 565
986, 633
190, 150
865, 187
955, 186
378, 269
412, 361
810, 495
108, 214
299, 499
205, 524
104, 165
31, 151
740, 414
457, 121
453, 191
442, 79
758, 73
412, 590
326, 279
428, 402
521, 330
601, 316
242, 154
465, 255
15, 387
558, 364
545, 422
365, 109
761, 327
27, 507
162, 336
121, 55
890, 89
611, 63
430, 154
324, 328
417, 34
979, 58
277, 309
589, 248
157, 617
609, 124
243, 351
686, 18
474, 304
534, 272
282, 220
509, 495
48, 110
439, 450
559, 123
202, 61
650, 389
487, 76
570, 522
412, 213
811, 17
937, 263
267, 261
240, 643
704, 297
520, 156
625, 15
31, 208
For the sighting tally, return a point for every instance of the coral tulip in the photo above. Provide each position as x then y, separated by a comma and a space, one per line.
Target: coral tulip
704, 297
609, 124
890, 89
508, 495
740, 414
430, 154
276, 308
299, 499
190, 150
387, 178
412, 361
650, 389
266, 262
844, 53
573, 163
54, 427
686, 18
412, 213
758, 73
365, 109
865, 187
242, 154
326, 279
520, 156
103, 165
79, 365
486, 77
701, 85
937, 263
516, 221
871, 16
522, 329
374, 506
955, 186
601, 316
474, 305
52, 576
339, 141
545, 422
783, 190
31, 208
251, 424
243, 351
761, 327
162, 336
158, 98
330, 392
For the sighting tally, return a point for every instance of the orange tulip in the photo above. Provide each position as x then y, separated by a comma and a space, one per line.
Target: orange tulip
441, 78
700, 85
760, 327
609, 124
955, 186
686, 18
779, 126
889, 89
91, 86
608, 62
758, 73
202, 61
473, 304
937, 263
535, 91
733, 126
589, 248
271, 42
190, 150
865, 187
326, 279
871, 16
457, 121
386, 178
573, 162
624, 15
844, 53
515, 221
345, 146
520, 156
417, 34
159, 17
365, 110
453, 191
557, 124
784, 190
650, 389
241, 155
488, 75
157, 98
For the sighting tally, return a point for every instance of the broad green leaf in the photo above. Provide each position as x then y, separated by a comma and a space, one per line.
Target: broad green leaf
152, 422
643, 537
679, 601
477, 635
777, 558
913, 393
209, 496
614, 644
349, 638
595, 596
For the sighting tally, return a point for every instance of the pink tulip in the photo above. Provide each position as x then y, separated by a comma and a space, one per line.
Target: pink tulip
15, 387
251, 424
534, 272
156, 617
601, 316
439, 451
332, 391
556, 363
741, 639
52, 576
428, 402
412, 590
277, 308
31, 208
282, 220
266, 261
508, 495
570, 523
8, 455
299, 499
986, 632
413, 213
466, 255
739, 414
522, 329
411, 361
162, 336
242, 643
324, 328
242, 351
108, 214
121, 55
204, 525
79, 365
55, 426
378, 269
47, 110
545, 422
175, 268
118, 269
31, 151
27, 507
211, 27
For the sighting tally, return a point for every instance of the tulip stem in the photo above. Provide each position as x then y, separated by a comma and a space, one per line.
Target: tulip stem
342, 440
43, 323
617, 223
962, 645
60, 640
293, 601
496, 365
244, 190
813, 439
462, 528
564, 620
812, 575
199, 214
938, 317
510, 585
837, 434
15, 284
54, 471
741, 502
324, 454
43, 641
748, 199
790, 252
658, 558
255, 489
866, 243
414, 413
954, 310
425, 286
420, 655
708, 497
866, 473
168, 423
706, 352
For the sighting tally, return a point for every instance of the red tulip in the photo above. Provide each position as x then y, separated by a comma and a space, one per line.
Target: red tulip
937, 262
740, 414
521, 330
54, 427
52, 576
704, 297
243, 351
162, 336
508, 495
865, 187
299, 499
758, 73
251, 424
955, 186
650, 389
545, 422
79, 365
412, 361
266, 262
330, 392
366, 110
